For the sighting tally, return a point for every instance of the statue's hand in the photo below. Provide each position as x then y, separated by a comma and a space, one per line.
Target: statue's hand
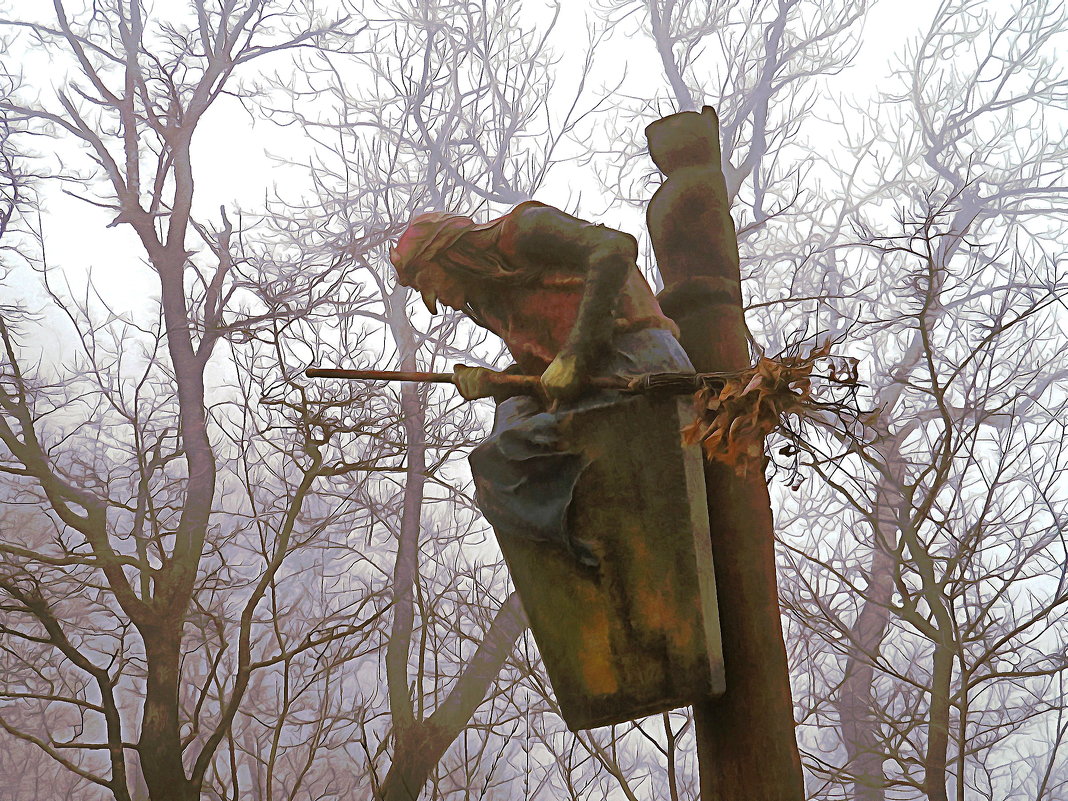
473, 382
565, 378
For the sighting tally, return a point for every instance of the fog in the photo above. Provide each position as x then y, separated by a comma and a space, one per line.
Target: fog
222, 580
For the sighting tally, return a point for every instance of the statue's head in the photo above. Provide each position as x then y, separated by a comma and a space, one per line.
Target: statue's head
421, 262
686, 139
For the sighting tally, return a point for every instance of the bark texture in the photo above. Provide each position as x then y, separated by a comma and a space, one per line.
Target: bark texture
745, 739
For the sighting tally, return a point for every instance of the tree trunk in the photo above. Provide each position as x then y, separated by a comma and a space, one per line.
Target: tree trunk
420, 747
745, 739
420, 743
856, 702
415, 753
858, 724
160, 746
406, 567
936, 757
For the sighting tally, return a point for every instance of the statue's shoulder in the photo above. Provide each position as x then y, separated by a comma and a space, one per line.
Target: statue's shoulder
515, 216
535, 234
528, 206
529, 216
536, 228
523, 229
504, 229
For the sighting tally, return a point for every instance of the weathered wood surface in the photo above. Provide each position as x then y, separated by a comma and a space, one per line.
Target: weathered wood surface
638, 634
745, 738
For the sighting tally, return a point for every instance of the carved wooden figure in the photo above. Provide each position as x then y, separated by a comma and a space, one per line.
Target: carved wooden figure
599, 510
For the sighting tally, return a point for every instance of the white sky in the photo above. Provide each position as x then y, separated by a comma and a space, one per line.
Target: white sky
232, 155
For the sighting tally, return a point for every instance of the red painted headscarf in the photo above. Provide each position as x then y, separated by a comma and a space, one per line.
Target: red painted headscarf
431, 234
426, 236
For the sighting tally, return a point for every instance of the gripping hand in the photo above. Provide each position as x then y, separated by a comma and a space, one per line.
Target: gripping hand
473, 382
565, 378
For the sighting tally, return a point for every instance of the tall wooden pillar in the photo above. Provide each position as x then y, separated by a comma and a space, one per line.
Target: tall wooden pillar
746, 743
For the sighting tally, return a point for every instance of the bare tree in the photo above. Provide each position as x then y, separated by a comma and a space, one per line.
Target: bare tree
954, 561
145, 589
220, 579
446, 109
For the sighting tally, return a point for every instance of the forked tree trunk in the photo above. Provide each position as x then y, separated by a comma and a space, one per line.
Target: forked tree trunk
159, 747
745, 739
865, 751
420, 743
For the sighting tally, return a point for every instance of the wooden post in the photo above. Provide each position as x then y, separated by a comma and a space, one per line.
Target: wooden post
745, 738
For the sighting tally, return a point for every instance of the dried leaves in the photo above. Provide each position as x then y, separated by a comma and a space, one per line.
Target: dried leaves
733, 419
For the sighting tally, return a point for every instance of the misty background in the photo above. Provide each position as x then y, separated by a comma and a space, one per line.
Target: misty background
221, 580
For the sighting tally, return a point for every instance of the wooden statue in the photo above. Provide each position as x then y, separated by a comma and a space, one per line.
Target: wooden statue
606, 521
598, 508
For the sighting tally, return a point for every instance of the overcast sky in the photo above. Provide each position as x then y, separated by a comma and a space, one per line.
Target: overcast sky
233, 154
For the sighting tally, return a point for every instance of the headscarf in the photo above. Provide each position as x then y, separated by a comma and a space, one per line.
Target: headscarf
426, 236
430, 234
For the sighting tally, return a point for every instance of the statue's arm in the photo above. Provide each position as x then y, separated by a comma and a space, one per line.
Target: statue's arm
547, 235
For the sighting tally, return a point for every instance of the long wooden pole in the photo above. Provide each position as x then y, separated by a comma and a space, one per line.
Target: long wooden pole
510, 382
515, 384
746, 745
380, 375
